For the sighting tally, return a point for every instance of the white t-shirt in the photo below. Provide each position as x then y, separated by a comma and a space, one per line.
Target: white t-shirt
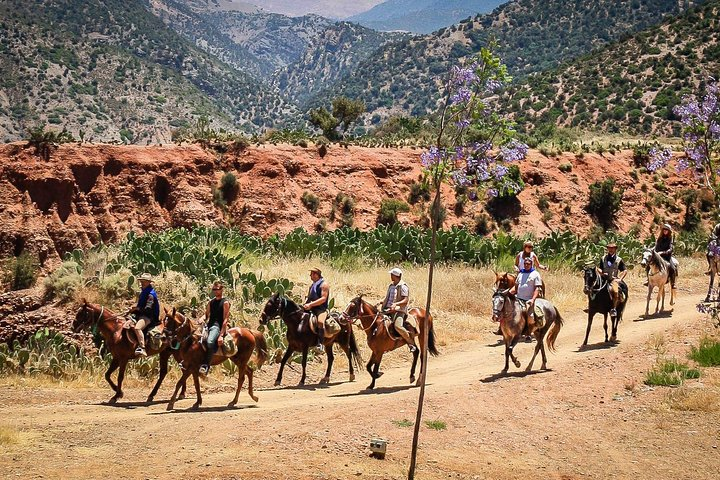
526, 284
392, 294
520, 258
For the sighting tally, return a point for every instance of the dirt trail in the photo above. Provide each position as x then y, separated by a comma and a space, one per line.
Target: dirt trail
585, 418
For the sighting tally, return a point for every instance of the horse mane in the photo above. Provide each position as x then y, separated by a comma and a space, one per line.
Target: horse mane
661, 262
291, 305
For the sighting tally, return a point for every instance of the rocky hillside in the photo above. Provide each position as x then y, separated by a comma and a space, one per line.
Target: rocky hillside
113, 71
422, 16
630, 86
402, 77
86, 194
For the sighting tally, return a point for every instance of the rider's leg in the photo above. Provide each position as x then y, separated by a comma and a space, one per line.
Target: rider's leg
614, 296
141, 323
400, 328
321, 330
212, 347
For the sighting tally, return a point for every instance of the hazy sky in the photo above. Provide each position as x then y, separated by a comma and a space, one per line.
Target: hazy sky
326, 8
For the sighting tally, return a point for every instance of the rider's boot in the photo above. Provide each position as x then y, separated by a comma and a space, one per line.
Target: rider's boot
321, 337
140, 350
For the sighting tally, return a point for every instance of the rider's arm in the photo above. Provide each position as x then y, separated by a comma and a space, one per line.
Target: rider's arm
402, 302
207, 312
622, 270
226, 317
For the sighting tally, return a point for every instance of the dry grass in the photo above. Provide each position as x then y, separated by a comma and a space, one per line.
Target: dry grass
9, 436
694, 399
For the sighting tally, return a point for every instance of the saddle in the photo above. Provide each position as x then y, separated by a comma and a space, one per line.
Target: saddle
409, 322
153, 334
229, 347
332, 324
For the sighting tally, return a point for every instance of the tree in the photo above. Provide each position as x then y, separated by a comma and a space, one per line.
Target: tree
345, 112
474, 144
325, 121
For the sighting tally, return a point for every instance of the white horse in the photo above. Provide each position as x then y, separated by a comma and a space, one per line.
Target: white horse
713, 257
659, 274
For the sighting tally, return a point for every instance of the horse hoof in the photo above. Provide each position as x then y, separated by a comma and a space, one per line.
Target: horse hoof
504, 371
195, 406
277, 383
231, 404
517, 364
181, 397
379, 374
170, 407
412, 379
301, 383
527, 369
113, 401
352, 377
369, 387
255, 398
613, 339
324, 380
707, 299
149, 399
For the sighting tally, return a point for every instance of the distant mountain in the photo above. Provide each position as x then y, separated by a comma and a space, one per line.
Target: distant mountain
422, 16
630, 86
401, 78
327, 8
114, 71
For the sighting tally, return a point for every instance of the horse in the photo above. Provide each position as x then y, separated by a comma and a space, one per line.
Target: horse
600, 301
713, 257
189, 350
300, 337
507, 280
513, 323
121, 343
380, 340
659, 273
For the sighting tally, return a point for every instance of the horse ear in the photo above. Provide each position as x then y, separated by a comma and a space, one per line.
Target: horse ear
84, 302
174, 311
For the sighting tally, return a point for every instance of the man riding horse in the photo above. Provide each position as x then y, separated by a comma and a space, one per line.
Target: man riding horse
527, 289
217, 314
612, 268
147, 311
395, 305
317, 303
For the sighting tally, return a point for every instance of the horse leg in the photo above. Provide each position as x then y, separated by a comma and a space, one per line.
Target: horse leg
605, 317
121, 376
113, 366
249, 372
164, 358
416, 354
647, 304
712, 280
591, 315
198, 402
348, 354
661, 290
615, 323
284, 360
304, 364
540, 338
330, 360
180, 383
512, 355
542, 349
375, 372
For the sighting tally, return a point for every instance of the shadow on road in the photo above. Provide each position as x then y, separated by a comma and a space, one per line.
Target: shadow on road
224, 408
131, 405
653, 316
522, 374
376, 391
597, 346
315, 386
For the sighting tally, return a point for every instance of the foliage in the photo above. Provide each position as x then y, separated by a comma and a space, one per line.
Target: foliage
438, 425
419, 191
219, 139
64, 282
389, 209
310, 201
229, 187
345, 206
45, 141
345, 112
604, 202
22, 271
403, 423
707, 354
670, 373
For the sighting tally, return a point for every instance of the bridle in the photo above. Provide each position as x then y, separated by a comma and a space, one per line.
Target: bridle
172, 335
359, 313
498, 311
597, 282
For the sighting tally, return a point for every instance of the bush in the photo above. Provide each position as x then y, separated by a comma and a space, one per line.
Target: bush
565, 167
707, 354
229, 187
177, 290
604, 201
670, 373
482, 224
389, 210
310, 201
64, 282
419, 191
543, 203
22, 271
345, 205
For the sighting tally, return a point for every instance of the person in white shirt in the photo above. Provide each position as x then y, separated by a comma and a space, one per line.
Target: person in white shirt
395, 305
527, 289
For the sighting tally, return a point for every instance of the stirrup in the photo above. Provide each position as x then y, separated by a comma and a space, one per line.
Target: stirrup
204, 369
412, 348
140, 351
321, 348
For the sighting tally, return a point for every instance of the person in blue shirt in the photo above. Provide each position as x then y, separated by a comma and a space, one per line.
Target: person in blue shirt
317, 303
147, 311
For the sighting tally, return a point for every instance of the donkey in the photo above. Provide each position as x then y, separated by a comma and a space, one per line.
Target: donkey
513, 323
659, 273
713, 257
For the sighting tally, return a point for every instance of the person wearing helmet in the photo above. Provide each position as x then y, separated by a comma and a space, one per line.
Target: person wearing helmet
613, 271
147, 311
527, 252
396, 303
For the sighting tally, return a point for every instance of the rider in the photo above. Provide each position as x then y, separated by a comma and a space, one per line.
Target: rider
713, 244
147, 311
527, 289
527, 252
613, 270
396, 305
664, 247
317, 303
217, 314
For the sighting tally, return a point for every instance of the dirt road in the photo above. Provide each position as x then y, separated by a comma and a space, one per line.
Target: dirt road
590, 416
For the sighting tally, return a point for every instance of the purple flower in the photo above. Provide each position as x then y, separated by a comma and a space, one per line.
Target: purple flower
500, 171
513, 151
492, 192
432, 157
658, 158
460, 178
463, 95
493, 85
463, 76
463, 123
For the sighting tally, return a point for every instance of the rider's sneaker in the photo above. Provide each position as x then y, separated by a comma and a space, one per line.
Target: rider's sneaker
321, 348
613, 313
412, 348
204, 369
141, 352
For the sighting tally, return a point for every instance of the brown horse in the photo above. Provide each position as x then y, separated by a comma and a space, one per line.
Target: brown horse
188, 348
507, 280
513, 323
380, 340
121, 343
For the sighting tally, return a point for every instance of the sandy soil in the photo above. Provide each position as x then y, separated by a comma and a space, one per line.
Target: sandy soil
590, 416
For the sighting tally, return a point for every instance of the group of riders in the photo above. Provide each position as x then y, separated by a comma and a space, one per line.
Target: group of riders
527, 288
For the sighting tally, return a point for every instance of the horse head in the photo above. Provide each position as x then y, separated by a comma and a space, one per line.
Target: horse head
354, 308
176, 324
271, 309
504, 281
498, 300
590, 276
84, 318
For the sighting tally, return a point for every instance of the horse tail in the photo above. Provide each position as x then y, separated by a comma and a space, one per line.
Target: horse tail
432, 348
354, 350
554, 330
260, 347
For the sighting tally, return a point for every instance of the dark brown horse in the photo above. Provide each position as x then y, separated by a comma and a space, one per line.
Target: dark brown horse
380, 340
300, 337
121, 343
188, 348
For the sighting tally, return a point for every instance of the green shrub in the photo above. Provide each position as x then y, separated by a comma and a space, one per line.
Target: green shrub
565, 167
345, 205
419, 191
707, 354
22, 271
229, 187
389, 210
310, 201
543, 203
604, 202
482, 224
64, 282
438, 425
176, 289
670, 373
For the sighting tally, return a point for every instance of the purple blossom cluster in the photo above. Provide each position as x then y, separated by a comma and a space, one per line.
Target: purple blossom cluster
659, 158
514, 151
463, 76
463, 95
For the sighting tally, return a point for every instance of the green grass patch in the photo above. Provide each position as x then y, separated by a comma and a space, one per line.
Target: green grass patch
438, 425
707, 354
670, 373
403, 423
